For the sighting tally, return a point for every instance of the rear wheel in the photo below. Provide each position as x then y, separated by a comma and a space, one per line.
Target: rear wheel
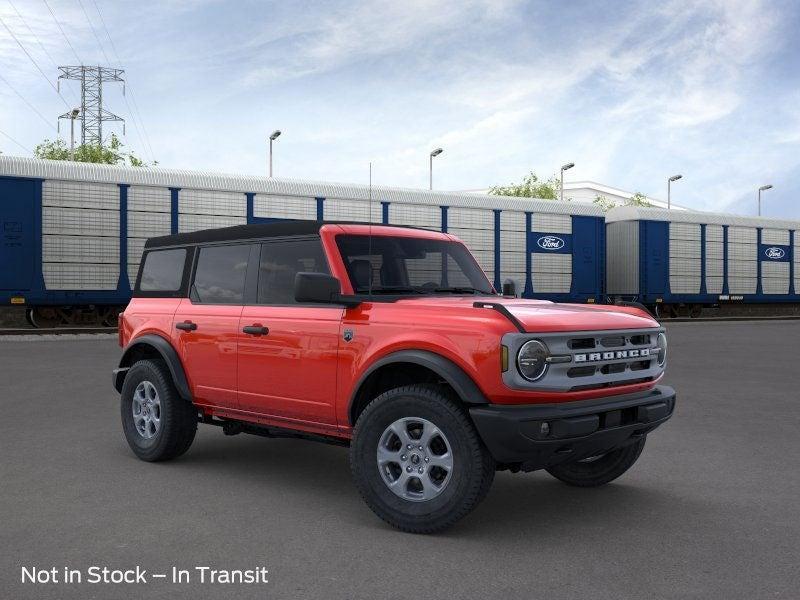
158, 423
601, 469
417, 460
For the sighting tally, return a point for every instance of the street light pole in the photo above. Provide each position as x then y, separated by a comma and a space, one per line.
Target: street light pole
272, 138
72, 116
669, 189
564, 168
436, 152
762, 189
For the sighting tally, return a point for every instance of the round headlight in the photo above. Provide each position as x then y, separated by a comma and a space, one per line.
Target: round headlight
531, 360
662, 349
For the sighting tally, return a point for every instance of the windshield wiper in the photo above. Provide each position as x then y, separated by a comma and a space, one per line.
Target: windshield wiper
394, 289
459, 290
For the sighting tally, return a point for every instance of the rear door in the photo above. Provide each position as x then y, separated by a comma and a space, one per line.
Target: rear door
206, 325
17, 244
288, 351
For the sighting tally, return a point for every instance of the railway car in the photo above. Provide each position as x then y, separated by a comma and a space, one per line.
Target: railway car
73, 232
677, 262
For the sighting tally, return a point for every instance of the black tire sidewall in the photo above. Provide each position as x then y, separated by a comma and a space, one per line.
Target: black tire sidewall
157, 447
467, 466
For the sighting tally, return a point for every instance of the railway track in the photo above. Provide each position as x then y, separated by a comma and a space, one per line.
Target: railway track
56, 330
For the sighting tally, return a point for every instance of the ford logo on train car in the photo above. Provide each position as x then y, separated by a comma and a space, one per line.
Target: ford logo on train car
550, 242
775, 253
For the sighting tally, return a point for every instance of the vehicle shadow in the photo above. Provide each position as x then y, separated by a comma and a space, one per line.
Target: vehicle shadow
518, 504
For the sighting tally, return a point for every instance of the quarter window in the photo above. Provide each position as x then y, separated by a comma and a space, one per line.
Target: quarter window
163, 270
220, 274
280, 262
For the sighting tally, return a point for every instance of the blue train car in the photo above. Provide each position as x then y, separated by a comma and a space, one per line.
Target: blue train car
73, 233
685, 259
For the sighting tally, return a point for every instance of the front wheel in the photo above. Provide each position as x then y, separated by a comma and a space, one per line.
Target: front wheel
417, 460
601, 469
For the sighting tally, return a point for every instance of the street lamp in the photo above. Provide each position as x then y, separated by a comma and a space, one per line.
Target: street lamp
73, 114
669, 189
762, 189
436, 152
564, 168
272, 138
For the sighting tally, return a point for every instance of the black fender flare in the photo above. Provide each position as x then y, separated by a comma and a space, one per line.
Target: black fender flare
462, 384
167, 352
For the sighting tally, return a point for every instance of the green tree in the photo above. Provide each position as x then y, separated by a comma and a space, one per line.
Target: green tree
531, 187
112, 153
638, 199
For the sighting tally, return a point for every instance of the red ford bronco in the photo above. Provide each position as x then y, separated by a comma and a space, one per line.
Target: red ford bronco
392, 341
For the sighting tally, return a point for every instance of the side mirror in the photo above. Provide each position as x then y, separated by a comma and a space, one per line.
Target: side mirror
320, 288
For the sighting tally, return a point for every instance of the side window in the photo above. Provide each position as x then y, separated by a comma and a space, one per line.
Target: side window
163, 270
220, 274
280, 262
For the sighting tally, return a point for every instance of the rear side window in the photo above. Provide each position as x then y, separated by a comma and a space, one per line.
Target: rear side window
280, 262
220, 274
163, 270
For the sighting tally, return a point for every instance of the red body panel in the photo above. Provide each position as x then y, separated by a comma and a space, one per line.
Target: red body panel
303, 375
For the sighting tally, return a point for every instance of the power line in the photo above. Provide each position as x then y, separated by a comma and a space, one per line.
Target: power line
135, 115
38, 41
31, 106
15, 141
28, 54
66, 39
96, 37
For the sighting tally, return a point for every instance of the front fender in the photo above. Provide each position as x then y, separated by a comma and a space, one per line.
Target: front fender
165, 351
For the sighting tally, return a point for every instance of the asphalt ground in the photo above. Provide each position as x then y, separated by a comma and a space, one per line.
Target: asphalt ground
711, 510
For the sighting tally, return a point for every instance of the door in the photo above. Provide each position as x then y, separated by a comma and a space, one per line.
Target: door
206, 325
288, 351
17, 247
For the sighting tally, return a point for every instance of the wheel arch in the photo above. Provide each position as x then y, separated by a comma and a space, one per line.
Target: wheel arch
409, 365
153, 346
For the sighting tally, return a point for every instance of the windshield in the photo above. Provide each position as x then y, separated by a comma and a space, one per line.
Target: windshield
407, 266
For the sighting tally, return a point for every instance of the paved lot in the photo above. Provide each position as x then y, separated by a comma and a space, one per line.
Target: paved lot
710, 511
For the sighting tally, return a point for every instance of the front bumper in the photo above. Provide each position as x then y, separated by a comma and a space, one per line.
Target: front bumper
540, 436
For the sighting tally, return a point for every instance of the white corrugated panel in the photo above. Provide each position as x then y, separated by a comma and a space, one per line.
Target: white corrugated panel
196, 222
284, 207
741, 285
148, 224
77, 221
775, 277
80, 194
416, 215
75, 248
551, 223
83, 276
212, 202
364, 211
551, 273
149, 199
714, 233
714, 285
470, 218
159, 177
775, 236
512, 220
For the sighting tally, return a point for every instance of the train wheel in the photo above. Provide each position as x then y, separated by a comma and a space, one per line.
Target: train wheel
45, 317
110, 317
695, 311
29, 317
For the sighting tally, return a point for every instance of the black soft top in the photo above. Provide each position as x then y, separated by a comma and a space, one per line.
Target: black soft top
237, 232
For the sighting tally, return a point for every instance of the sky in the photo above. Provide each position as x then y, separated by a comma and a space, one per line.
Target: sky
631, 92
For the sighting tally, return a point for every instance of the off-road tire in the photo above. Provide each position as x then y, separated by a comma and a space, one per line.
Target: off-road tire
178, 416
473, 468
600, 471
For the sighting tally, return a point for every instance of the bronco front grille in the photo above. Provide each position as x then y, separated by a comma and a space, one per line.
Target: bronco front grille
589, 359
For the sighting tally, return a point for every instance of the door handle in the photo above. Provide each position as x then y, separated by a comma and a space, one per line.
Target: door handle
255, 330
186, 326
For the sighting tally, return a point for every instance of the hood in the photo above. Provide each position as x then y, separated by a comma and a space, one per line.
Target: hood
538, 316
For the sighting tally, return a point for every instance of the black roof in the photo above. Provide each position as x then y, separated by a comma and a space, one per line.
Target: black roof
251, 232
237, 232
